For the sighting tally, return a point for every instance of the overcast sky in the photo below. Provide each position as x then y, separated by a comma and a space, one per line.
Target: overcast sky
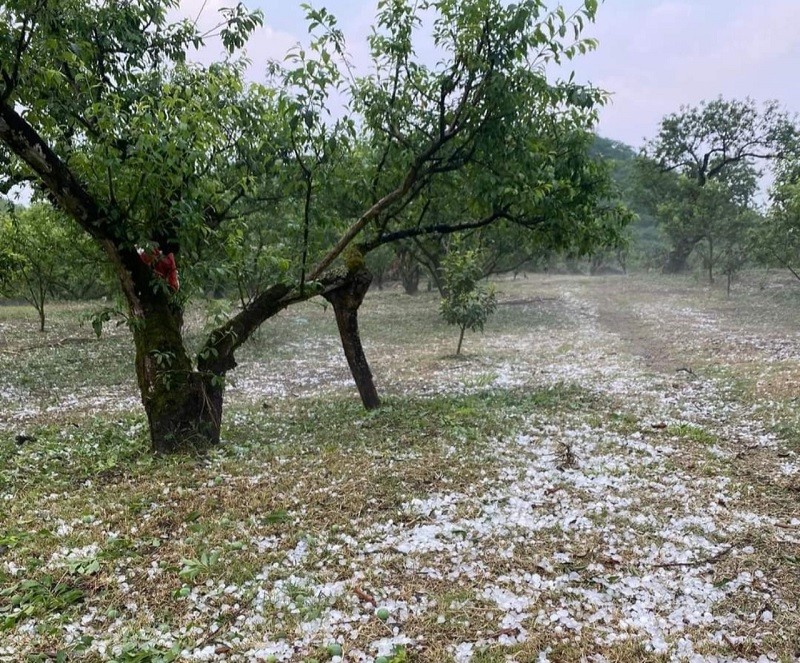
654, 55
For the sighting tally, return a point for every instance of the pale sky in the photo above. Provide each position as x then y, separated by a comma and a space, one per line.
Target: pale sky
654, 55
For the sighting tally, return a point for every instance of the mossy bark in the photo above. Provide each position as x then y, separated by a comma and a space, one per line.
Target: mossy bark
183, 406
346, 301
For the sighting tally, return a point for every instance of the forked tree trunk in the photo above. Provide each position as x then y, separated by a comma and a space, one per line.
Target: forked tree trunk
431, 259
408, 268
183, 406
346, 300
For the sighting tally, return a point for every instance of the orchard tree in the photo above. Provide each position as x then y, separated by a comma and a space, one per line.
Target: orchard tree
717, 216
721, 140
162, 162
44, 256
778, 237
739, 245
568, 203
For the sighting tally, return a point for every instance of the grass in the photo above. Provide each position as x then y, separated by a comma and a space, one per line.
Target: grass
692, 434
561, 491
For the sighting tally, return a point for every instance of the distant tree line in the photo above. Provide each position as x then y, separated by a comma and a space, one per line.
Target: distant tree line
695, 189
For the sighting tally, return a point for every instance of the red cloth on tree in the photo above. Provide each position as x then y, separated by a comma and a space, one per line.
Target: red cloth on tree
163, 265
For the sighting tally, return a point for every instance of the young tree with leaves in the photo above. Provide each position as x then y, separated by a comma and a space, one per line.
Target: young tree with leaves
778, 235
43, 257
467, 303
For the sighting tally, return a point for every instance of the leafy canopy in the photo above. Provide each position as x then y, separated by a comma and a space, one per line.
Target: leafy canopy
260, 184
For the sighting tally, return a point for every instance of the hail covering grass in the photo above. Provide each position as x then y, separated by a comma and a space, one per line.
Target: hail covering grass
606, 476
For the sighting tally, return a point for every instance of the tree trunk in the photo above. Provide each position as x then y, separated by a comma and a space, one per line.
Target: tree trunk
431, 258
183, 406
460, 341
409, 271
710, 260
622, 259
572, 266
679, 256
38, 296
346, 300
185, 419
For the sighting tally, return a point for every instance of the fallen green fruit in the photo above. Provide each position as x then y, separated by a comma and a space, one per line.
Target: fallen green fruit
382, 614
335, 649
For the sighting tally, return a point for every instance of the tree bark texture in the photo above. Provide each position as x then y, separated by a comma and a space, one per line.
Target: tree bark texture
346, 301
183, 406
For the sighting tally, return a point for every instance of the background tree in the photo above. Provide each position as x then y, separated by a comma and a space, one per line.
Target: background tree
644, 245
555, 198
715, 216
44, 257
379, 263
778, 236
738, 245
713, 141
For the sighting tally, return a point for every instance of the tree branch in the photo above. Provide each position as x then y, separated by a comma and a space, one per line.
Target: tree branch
435, 229
217, 355
23, 140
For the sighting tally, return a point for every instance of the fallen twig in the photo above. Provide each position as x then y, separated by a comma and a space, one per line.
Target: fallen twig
698, 562
512, 631
368, 598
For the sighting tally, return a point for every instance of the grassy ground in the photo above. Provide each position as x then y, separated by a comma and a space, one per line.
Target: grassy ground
609, 474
